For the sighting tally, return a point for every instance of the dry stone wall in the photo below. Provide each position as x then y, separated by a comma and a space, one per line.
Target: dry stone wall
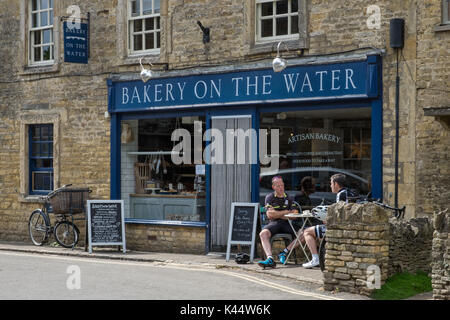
440, 256
410, 245
366, 245
357, 238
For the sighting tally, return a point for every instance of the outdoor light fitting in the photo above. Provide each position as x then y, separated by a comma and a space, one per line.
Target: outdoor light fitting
279, 64
146, 74
205, 31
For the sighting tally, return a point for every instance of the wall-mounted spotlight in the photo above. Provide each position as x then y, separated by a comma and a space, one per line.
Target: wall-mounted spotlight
146, 74
279, 64
205, 31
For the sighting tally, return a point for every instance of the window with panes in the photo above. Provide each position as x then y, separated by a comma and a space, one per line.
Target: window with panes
277, 20
41, 32
144, 26
41, 158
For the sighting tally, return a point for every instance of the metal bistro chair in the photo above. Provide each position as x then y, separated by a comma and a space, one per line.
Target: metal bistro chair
285, 237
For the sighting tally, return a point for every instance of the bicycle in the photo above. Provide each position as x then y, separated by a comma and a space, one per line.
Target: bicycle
399, 212
62, 202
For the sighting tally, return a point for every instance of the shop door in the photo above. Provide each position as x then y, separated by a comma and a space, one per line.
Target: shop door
230, 180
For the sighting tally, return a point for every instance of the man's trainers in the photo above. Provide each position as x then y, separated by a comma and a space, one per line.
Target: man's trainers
282, 256
267, 263
313, 263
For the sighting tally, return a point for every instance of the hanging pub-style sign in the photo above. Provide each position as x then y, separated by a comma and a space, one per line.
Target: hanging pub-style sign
76, 42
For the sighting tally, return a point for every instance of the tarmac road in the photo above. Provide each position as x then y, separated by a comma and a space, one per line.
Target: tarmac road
35, 276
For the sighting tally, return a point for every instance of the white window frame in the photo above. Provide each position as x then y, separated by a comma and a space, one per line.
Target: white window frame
259, 18
445, 12
34, 30
131, 33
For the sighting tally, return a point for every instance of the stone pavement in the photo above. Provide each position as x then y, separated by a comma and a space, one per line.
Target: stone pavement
289, 271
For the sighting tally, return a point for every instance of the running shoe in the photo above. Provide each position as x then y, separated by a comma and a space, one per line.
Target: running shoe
282, 257
313, 263
268, 263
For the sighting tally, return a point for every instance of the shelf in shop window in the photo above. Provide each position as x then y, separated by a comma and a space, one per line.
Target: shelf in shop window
153, 153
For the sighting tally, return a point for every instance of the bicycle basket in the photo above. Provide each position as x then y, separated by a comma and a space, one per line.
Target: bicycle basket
69, 200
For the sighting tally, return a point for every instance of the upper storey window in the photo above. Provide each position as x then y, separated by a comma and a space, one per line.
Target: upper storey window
41, 32
277, 20
144, 26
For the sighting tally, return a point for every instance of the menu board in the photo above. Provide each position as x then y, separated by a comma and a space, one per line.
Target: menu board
106, 224
242, 227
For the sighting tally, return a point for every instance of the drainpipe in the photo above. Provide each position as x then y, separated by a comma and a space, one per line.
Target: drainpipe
397, 133
397, 27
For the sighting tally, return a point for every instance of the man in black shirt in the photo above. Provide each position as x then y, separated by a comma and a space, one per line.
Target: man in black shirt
337, 185
277, 204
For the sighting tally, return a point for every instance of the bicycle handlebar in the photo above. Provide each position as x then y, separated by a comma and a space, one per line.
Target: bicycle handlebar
399, 212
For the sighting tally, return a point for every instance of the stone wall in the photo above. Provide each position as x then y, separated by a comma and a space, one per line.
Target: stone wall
361, 236
357, 237
176, 239
432, 74
441, 256
410, 245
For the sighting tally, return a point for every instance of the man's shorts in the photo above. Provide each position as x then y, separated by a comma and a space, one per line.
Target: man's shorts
320, 230
280, 226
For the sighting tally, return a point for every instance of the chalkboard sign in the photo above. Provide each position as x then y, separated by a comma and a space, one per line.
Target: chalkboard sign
242, 227
106, 223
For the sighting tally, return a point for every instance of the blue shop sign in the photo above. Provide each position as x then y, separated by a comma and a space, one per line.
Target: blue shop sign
76, 43
297, 83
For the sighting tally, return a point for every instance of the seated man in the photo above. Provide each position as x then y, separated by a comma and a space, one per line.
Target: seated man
310, 235
277, 204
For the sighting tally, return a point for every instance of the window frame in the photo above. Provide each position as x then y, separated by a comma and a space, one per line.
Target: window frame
131, 33
50, 155
445, 12
263, 47
31, 117
33, 30
274, 16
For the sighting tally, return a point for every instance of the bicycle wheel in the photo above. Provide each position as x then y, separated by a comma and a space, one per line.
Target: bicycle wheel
38, 227
322, 254
66, 234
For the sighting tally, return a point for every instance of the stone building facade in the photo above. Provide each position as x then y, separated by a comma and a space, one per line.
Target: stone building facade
74, 97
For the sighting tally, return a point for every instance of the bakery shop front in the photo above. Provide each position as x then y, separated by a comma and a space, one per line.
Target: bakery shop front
187, 143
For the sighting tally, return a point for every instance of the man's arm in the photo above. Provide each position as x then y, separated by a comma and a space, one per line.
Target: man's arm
273, 214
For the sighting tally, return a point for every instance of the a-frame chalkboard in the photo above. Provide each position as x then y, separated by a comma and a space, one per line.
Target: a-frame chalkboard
106, 223
242, 227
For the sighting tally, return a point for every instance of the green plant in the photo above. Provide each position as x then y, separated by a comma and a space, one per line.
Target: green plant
403, 285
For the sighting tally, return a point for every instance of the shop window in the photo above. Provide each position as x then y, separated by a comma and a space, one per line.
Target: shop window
277, 20
155, 187
41, 158
318, 144
144, 26
41, 42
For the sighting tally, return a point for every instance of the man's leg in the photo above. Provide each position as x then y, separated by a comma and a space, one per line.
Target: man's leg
310, 238
294, 244
265, 236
